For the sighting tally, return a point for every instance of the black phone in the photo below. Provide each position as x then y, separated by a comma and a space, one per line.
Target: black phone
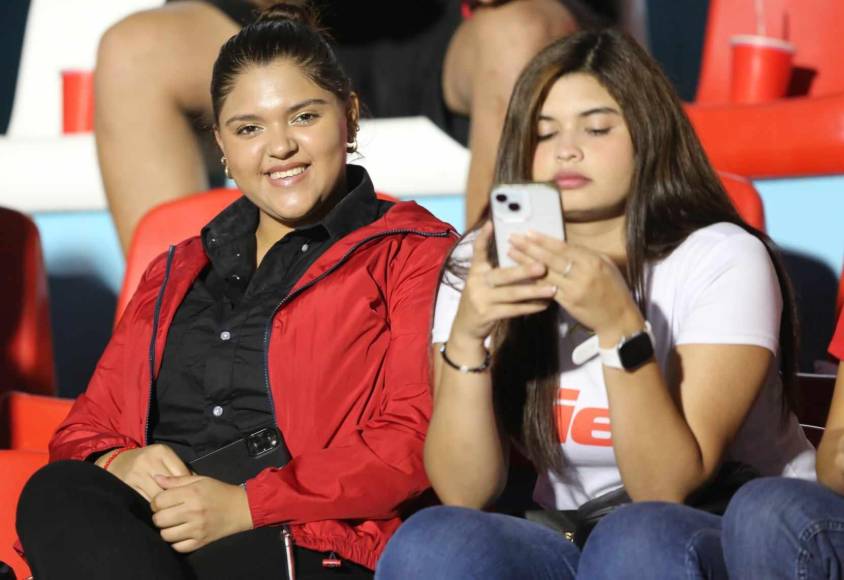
245, 458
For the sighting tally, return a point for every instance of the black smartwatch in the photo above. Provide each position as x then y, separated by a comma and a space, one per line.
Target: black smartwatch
631, 352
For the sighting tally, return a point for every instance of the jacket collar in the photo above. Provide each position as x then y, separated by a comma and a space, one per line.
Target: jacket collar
403, 217
229, 238
357, 208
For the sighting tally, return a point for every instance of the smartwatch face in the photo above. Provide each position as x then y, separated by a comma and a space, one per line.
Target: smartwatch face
636, 351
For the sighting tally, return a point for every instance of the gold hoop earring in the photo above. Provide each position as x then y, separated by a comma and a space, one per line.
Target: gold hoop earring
224, 161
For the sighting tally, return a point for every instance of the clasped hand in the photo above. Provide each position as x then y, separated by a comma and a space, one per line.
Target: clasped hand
190, 510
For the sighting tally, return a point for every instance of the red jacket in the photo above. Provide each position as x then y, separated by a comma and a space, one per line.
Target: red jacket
348, 374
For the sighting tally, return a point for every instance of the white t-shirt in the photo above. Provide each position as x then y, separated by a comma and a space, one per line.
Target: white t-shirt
718, 287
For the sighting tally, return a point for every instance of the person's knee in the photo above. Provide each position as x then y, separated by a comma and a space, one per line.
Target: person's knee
525, 26
426, 530
432, 542
636, 529
672, 539
46, 489
635, 519
132, 42
163, 56
763, 506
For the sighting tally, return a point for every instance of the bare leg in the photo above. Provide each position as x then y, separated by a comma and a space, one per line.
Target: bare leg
483, 61
153, 73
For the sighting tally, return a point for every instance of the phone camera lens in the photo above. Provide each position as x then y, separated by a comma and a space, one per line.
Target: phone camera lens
514, 206
501, 198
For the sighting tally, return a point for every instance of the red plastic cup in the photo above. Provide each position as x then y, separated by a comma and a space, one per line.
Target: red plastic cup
77, 101
761, 68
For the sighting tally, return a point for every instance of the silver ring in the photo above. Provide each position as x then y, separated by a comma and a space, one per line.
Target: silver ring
567, 269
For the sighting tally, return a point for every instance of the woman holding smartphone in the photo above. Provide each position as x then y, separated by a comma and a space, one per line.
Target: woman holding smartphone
643, 352
297, 324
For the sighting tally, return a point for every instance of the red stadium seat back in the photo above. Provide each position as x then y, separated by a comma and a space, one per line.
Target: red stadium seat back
16, 467
745, 198
811, 26
839, 302
170, 223
27, 422
26, 344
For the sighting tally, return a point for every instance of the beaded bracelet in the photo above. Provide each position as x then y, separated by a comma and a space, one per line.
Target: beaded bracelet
113, 456
467, 369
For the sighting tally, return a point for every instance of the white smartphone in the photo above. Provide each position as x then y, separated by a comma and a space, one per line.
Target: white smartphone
520, 207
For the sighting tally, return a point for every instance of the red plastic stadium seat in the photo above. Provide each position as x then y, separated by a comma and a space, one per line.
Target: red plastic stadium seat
29, 421
798, 135
16, 467
745, 198
26, 344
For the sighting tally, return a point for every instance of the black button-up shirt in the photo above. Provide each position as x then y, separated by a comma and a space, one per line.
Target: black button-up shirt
211, 389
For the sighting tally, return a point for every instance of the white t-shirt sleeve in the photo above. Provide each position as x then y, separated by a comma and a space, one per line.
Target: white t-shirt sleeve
732, 294
448, 296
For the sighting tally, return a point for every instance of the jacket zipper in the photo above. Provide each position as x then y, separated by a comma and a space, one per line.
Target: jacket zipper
155, 319
319, 278
287, 539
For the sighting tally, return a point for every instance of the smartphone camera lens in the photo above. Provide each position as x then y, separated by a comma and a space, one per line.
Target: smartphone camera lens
514, 206
501, 198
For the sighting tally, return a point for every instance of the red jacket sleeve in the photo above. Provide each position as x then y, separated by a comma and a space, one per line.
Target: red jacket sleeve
369, 474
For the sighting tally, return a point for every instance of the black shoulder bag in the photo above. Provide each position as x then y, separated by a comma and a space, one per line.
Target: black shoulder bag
576, 525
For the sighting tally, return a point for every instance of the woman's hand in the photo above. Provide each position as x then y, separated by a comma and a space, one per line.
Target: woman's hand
493, 294
590, 286
194, 511
138, 468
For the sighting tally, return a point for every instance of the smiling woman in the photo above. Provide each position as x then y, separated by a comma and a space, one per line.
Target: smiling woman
264, 399
283, 121
284, 141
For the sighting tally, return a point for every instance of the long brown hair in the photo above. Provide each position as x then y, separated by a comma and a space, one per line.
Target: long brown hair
674, 192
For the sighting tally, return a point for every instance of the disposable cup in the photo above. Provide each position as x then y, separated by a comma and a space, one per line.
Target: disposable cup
77, 101
761, 68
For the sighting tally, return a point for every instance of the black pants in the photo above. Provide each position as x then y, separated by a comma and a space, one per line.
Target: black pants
75, 520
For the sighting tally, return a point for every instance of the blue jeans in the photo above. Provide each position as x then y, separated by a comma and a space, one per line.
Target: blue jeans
654, 540
784, 528
443, 543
